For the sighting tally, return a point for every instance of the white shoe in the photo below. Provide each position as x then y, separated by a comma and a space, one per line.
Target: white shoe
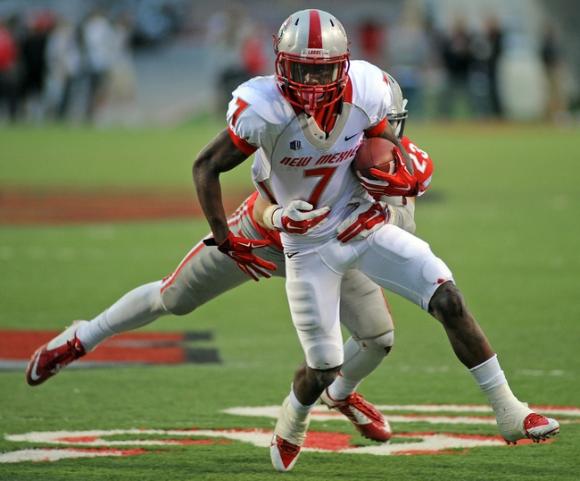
519, 422
289, 436
50, 358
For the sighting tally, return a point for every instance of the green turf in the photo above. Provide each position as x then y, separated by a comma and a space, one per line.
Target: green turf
502, 213
82, 157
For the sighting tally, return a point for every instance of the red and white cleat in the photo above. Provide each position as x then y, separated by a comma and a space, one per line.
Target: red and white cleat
283, 453
539, 428
289, 436
519, 422
367, 419
49, 359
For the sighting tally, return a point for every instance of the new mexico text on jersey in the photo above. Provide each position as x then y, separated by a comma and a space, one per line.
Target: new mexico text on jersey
296, 159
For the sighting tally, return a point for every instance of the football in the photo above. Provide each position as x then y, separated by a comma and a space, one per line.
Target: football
375, 152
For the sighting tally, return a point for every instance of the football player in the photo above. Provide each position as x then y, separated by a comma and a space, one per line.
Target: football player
206, 272
306, 121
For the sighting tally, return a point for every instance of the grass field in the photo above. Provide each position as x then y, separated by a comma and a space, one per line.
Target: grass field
502, 212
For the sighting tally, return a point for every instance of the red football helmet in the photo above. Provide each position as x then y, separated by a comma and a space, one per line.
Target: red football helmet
312, 59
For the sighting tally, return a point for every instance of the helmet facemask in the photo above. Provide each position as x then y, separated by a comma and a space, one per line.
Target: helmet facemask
312, 83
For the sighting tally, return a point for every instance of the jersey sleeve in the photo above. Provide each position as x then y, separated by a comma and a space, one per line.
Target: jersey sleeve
372, 95
422, 164
245, 126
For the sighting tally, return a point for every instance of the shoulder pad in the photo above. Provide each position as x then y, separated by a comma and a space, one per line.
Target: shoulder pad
257, 106
370, 90
264, 99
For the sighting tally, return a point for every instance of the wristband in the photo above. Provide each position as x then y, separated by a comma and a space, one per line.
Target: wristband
272, 218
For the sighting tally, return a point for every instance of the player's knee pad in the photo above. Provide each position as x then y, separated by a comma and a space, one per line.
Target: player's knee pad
447, 304
324, 356
384, 342
363, 356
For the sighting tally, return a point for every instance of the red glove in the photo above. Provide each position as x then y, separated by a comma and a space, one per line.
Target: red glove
240, 250
367, 217
401, 183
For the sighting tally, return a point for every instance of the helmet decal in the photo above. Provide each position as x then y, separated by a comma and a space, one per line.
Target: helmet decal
314, 31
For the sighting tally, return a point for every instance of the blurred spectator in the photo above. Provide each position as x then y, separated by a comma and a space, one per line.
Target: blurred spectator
64, 67
409, 56
457, 60
121, 92
372, 41
155, 22
8, 72
254, 59
551, 55
98, 37
495, 38
34, 66
483, 82
237, 42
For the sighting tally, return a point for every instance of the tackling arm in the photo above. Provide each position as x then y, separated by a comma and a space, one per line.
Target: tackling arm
402, 213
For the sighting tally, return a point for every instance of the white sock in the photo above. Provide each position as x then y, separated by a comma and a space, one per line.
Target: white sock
489, 374
342, 387
297, 405
135, 309
493, 383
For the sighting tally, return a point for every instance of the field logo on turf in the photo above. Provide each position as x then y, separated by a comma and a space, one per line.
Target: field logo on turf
133, 442
127, 349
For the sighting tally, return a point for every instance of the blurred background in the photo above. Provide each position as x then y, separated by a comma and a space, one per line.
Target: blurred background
165, 62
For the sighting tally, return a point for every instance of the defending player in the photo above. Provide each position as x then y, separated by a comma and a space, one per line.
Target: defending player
306, 122
206, 273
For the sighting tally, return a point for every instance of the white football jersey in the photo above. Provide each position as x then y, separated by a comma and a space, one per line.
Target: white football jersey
295, 159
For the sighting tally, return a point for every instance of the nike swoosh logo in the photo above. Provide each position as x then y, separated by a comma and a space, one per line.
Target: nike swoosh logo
33, 375
291, 254
346, 139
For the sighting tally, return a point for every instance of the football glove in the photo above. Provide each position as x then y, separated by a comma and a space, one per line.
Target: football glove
366, 218
240, 250
400, 183
298, 217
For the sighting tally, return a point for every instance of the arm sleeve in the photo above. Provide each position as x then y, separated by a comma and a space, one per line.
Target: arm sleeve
403, 216
422, 164
245, 126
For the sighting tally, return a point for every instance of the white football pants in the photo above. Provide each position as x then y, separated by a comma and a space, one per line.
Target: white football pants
392, 258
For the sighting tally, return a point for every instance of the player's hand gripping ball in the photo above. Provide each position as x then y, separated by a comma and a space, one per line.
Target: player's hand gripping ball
380, 169
377, 153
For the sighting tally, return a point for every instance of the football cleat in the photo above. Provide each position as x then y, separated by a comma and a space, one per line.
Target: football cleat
50, 358
283, 453
289, 436
367, 419
521, 423
539, 428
